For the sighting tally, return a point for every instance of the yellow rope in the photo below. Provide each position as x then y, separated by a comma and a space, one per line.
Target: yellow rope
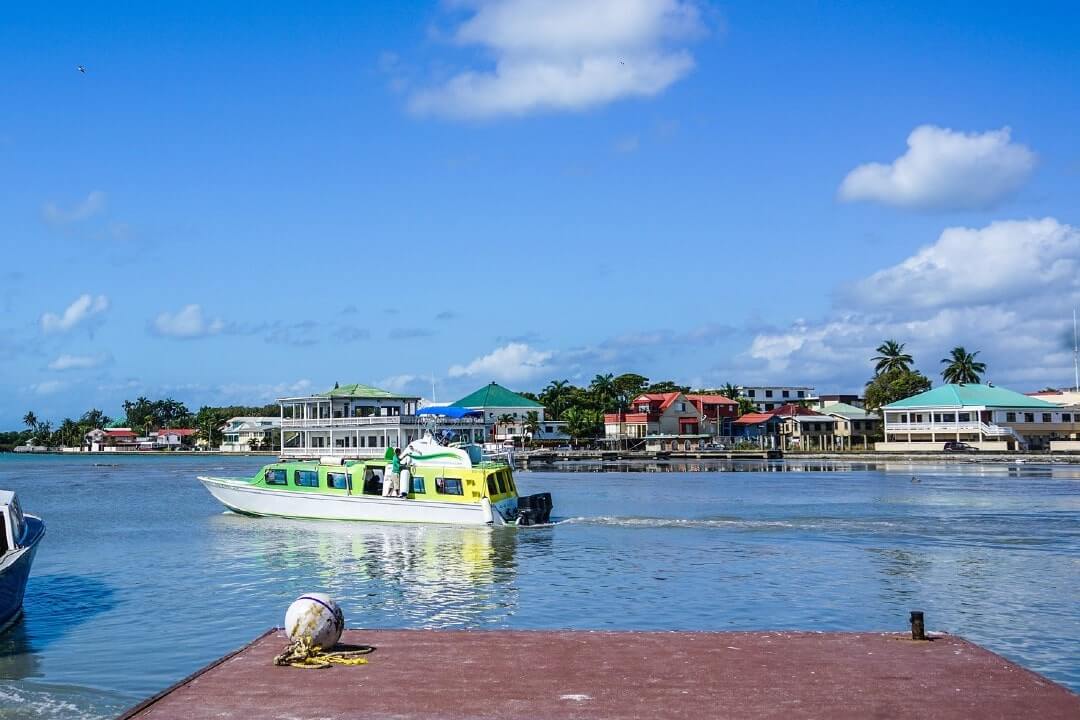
304, 653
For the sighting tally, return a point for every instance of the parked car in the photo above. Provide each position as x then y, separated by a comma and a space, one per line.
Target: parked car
958, 447
714, 446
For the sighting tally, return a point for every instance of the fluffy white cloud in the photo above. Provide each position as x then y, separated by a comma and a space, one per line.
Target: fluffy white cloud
1006, 289
84, 307
93, 204
945, 170
262, 392
78, 362
399, 383
186, 323
992, 264
48, 387
565, 55
511, 363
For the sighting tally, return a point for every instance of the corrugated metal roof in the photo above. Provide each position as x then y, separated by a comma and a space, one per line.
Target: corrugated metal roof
359, 390
495, 395
970, 395
848, 411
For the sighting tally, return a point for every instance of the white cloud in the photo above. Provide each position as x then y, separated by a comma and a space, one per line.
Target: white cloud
399, 383
84, 307
93, 204
263, 392
565, 55
48, 387
78, 362
511, 363
1006, 289
945, 170
186, 323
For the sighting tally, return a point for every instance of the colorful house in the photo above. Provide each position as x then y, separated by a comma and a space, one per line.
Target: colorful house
855, 427
671, 413
804, 429
507, 415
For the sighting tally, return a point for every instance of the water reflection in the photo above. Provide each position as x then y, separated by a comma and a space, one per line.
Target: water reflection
422, 575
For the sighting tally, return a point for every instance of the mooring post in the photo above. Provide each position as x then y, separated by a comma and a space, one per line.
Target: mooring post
918, 630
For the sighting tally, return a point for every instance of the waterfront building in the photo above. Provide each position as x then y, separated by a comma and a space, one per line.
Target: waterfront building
670, 413
169, 439
238, 434
357, 421
804, 429
769, 397
818, 402
507, 416
984, 416
717, 412
855, 427
759, 428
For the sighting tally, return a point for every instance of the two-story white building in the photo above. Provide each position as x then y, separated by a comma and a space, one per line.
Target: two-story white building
767, 398
984, 416
510, 417
242, 433
358, 421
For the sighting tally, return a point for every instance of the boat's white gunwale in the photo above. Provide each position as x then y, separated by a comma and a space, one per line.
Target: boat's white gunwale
246, 486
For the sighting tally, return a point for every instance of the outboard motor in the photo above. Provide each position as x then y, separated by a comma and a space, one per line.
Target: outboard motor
534, 509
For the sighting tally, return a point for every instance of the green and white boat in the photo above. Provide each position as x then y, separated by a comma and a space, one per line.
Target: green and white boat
450, 484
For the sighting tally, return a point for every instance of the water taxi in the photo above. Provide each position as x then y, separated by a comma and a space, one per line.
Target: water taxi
439, 483
19, 537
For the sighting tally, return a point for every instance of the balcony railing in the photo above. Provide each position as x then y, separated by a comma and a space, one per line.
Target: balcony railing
338, 423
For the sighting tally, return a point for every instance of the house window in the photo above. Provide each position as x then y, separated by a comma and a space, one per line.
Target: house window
306, 478
337, 481
1010, 417
802, 394
787, 393
1066, 417
768, 393
448, 486
948, 417
965, 417
1029, 417
1047, 418
276, 477
418, 486
768, 406
750, 393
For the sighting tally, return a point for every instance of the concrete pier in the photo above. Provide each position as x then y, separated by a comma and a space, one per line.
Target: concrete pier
578, 674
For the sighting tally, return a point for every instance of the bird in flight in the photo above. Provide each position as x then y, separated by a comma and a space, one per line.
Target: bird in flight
81, 69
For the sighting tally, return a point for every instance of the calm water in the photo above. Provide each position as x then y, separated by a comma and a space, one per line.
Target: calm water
142, 578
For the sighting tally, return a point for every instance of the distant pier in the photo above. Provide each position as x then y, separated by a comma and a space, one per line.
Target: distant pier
603, 675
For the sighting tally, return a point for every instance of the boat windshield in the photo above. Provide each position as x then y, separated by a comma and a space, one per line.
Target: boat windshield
16, 520
3, 535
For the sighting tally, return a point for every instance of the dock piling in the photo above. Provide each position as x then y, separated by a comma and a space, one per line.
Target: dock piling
918, 629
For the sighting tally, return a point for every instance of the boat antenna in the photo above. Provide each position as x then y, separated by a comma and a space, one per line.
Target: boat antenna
433, 384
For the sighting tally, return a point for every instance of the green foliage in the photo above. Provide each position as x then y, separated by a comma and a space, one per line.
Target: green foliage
603, 391
891, 356
627, 387
582, 422
145, 415
730, 391
555, 398
893, 385
962, 367
746, 405
666, 386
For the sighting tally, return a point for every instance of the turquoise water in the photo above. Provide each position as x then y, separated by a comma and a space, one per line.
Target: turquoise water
142, 578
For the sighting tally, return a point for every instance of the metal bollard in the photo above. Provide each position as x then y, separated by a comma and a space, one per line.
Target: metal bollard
918, 629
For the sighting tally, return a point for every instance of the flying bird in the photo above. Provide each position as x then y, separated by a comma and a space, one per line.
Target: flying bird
81, 69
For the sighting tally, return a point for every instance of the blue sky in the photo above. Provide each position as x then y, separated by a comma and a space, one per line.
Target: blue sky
236, 202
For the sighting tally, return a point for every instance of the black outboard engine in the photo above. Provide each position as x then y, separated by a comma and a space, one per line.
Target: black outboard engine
534, 509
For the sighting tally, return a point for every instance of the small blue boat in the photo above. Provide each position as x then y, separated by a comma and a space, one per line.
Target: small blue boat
19, 537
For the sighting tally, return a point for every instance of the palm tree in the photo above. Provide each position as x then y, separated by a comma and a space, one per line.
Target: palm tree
554, 397
532, 423
962, 367
730, 391
891, 356
603, 389
506, 420
30, 420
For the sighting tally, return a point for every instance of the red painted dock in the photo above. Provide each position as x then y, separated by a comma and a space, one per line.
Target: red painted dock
564, 674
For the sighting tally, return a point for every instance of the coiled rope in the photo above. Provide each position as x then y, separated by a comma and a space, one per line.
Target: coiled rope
304, 653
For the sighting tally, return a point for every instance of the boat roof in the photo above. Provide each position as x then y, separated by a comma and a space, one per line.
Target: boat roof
6, 496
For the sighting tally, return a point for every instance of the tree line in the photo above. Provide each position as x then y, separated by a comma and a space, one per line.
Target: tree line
142, 415
894, 379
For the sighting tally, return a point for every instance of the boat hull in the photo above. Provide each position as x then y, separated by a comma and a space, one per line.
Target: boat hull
240, 496
14, 572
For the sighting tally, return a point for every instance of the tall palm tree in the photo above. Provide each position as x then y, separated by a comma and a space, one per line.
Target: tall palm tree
30, 420
554, 397
962, 367
730, 391
603, 389
891, 356
506, 420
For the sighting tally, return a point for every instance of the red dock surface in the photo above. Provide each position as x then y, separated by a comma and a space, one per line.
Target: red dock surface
563, 674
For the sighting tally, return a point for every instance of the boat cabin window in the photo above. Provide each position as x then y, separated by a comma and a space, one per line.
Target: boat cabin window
306, 478
3, 535
275, 477
372, 483
337, 481
510, 483
17, 523
502, 483
448, 486
492, 490
418, 486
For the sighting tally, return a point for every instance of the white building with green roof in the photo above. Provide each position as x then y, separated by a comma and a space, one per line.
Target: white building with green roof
984, 416
510, 416
355, 421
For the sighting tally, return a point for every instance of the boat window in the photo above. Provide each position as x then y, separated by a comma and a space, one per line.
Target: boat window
418, 486
492, 490
502, 483
306, 478
448, 486
372, 483
337, 481
275, 477
510, 483
17, 525
3, 536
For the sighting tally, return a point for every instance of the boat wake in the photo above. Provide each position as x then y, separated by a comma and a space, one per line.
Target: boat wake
652, 522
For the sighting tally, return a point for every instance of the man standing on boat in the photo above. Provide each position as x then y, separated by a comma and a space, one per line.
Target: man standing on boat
392, 476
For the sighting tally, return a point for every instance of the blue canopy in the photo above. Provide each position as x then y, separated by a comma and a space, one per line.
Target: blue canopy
449, 411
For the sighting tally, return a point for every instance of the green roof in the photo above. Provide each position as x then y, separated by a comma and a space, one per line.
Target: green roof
967, 395
358, 390
847, 411
495, 395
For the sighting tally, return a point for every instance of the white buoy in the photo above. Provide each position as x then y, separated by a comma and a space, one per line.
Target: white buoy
317, 616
